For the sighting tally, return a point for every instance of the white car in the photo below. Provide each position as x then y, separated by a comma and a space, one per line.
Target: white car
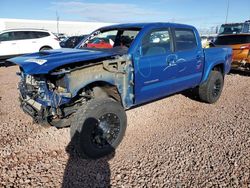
22, 41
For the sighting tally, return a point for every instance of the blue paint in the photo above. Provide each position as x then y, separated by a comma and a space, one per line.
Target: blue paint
154, 76
57, 58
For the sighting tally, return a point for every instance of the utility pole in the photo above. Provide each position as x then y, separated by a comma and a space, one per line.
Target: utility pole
227, 10
57, 22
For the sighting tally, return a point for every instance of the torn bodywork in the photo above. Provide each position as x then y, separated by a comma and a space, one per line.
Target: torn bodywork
243, 65
54, 98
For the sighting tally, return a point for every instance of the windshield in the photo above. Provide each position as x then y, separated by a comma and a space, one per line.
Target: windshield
108, 39
232, 40
231, 28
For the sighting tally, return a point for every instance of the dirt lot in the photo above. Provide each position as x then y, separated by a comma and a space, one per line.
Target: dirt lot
174, 142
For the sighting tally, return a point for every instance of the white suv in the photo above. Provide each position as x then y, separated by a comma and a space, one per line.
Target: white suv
22, 41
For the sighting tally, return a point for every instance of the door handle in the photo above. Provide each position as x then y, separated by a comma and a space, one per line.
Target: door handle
13, 43
198, 57
33, 41
171, 62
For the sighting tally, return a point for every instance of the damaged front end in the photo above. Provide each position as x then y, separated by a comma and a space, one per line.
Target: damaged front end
54, 98
40, 98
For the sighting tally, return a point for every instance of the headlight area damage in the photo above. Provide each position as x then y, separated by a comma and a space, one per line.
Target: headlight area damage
52, 99
41, 98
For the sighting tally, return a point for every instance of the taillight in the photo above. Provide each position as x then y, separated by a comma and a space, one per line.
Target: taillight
244, 47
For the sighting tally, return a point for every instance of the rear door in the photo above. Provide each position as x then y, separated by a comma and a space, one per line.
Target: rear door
24, 39
41, 39
190, 58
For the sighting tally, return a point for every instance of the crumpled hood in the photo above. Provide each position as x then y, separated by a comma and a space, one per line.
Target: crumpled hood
46, 61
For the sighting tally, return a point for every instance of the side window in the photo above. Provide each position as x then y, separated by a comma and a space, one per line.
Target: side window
130, 34
248, 28
23, 35
40, 34
31, 35
7, 36
156, 42
185, 39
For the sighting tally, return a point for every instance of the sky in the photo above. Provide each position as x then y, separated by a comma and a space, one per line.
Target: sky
200, 13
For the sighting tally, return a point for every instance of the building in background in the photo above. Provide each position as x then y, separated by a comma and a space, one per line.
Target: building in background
69, 28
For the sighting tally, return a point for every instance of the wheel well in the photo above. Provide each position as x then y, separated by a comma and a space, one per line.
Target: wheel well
219, 68
45, 47
99, 89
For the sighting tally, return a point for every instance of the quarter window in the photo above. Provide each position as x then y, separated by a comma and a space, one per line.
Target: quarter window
156, 42
40, 34
185, 39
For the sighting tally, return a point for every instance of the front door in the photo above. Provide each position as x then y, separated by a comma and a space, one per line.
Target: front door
8, 45
153, 67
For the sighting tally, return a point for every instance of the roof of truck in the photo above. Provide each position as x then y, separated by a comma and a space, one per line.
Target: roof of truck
141, 25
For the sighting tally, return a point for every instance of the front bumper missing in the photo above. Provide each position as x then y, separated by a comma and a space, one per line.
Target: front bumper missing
42, 114
35, 110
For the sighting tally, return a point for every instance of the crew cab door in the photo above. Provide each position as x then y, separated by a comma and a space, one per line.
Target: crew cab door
190, 58
162, 69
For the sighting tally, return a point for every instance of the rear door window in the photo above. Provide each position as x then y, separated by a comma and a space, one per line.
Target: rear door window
185, 39
23, 35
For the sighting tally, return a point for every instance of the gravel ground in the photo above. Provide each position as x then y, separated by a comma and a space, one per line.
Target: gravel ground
173, 142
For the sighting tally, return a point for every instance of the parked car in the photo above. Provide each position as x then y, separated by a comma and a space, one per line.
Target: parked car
241, 49
89, 89
235, 28
72, 42
61, 36
22, 41
100, 43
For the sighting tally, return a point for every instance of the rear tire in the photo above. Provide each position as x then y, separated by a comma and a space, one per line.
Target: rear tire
98, 128
45, 48
210, 91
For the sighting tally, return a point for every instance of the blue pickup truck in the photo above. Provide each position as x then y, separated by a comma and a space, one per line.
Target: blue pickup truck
114, 69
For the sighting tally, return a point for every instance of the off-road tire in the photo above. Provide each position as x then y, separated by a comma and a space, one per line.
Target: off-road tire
211, 90
84, 122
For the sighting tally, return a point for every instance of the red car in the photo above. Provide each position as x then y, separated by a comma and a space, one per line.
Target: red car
99, 43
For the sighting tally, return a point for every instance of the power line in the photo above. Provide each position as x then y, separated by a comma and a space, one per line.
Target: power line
227, 11
57, 22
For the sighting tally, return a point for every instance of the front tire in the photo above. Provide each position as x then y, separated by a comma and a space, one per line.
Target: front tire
211, 90
98, 128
